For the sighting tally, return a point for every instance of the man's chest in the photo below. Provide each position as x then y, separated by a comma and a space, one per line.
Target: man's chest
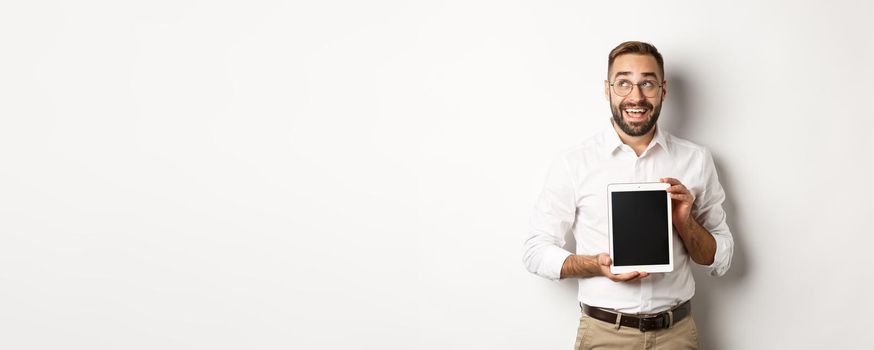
592, 180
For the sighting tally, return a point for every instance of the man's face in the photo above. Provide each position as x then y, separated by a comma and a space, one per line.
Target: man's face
635, 114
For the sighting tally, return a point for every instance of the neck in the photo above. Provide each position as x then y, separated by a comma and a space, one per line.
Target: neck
637, 143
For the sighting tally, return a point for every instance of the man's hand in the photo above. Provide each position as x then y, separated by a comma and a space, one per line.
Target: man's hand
585, 266
698, 241
681, 200
604, 264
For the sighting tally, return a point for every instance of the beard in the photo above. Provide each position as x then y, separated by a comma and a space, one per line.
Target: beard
635, 129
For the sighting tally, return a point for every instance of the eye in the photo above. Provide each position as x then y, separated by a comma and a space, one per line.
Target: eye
648, 84
623, 83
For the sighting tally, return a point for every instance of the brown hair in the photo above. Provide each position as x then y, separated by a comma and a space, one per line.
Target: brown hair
638, 48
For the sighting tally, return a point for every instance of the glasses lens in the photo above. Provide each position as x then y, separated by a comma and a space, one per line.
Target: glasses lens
649, 88
622, 87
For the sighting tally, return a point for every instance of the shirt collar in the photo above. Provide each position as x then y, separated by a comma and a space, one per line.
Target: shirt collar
611, 140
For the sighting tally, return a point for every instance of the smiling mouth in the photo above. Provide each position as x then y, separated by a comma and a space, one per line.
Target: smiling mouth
635, 114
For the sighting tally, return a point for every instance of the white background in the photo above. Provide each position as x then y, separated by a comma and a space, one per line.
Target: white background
359, 174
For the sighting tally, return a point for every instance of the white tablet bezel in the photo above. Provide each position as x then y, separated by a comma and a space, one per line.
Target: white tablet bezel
637, 187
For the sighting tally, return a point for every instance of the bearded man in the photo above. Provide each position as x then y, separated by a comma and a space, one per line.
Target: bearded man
635, 309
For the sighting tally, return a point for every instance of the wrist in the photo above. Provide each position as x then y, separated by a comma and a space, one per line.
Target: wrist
581, 266
686, 225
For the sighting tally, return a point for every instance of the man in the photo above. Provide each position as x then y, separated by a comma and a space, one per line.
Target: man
635, 309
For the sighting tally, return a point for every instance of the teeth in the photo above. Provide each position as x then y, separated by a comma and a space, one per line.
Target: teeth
635, 110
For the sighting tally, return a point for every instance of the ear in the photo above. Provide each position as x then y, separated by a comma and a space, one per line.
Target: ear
606, 90
664, 89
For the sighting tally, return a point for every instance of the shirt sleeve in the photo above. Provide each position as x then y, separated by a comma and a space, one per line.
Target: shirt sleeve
554, 214
711, 216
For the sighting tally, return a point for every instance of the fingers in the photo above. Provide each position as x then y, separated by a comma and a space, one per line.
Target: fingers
682, 197
640, 275
676, 185
680, 193
604, 261
677, 190
629, 276
670, 180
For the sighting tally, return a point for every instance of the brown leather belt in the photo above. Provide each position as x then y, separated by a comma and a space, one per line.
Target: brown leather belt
644, 323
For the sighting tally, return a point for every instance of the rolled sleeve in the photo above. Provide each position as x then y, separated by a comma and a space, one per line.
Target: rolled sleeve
552, 217
711, 216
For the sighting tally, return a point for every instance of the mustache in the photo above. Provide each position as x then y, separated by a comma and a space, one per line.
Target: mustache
641, 104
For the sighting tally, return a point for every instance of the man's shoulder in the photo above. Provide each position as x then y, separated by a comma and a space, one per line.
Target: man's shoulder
686, 146
584, 149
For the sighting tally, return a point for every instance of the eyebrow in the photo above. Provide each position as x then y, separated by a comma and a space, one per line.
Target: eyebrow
646, 74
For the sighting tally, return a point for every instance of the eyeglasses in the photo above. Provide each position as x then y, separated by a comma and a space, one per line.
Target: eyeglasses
623, 87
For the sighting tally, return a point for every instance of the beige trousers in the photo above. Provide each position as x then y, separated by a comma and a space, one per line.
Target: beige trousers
597, 334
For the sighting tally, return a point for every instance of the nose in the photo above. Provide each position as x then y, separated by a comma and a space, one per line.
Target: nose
636, 93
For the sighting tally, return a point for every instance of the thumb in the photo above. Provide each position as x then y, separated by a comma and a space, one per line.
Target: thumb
604, 259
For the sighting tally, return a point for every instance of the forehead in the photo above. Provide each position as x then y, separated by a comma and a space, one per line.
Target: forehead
636, 64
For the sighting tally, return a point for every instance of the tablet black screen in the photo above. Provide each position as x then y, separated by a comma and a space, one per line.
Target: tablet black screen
640, 220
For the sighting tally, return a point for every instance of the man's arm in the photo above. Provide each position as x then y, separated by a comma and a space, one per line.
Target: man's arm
554, 214
698, 241
584, 266
703, 229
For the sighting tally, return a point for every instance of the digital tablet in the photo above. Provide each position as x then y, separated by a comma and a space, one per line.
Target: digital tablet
639, 221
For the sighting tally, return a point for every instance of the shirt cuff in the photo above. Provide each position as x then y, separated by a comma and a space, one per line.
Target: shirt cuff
722, 258
553, 260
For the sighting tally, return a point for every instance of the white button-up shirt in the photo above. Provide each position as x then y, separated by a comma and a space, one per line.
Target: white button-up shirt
575, 198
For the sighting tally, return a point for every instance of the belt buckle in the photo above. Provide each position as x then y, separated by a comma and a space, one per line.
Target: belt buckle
660, 320
640, 325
